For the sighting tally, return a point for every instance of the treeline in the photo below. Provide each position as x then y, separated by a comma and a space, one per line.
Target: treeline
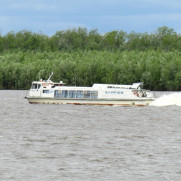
164, 38
81, 57
158, 69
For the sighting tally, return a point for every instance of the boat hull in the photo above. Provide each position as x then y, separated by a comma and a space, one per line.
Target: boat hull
110, 102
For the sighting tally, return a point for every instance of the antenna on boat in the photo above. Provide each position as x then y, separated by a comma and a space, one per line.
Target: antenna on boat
50, 76
74, 79
39, 75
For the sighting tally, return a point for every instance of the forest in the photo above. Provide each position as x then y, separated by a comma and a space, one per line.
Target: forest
82, 57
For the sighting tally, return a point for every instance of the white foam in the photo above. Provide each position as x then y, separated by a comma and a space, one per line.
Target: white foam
168, 100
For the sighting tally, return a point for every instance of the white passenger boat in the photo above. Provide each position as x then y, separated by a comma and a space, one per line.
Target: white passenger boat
48, 92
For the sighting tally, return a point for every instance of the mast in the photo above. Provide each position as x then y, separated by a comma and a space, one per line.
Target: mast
50, 77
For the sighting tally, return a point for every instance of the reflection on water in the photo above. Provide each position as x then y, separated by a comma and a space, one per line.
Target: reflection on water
69, 142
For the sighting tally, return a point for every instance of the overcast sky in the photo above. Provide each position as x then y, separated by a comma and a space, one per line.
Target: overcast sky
49, 16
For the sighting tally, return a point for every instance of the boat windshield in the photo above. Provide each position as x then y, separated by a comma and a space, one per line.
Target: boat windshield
35, 86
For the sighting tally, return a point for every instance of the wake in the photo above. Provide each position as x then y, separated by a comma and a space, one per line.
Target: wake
168, 100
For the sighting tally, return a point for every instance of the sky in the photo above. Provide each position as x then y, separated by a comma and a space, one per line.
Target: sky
50, 16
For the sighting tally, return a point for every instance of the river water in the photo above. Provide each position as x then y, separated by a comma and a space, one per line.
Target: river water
87, 143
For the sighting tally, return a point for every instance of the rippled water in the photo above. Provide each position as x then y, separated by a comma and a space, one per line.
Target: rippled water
85, 143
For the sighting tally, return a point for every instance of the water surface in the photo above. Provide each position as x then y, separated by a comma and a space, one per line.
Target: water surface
82, 143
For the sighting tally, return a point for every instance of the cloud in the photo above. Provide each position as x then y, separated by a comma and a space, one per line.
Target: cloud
45, 24
30, 5
50, 16
140, 23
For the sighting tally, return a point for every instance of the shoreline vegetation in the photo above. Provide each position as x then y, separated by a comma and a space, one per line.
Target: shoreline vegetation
81, 57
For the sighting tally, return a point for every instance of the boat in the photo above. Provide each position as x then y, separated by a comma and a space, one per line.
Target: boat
49, 92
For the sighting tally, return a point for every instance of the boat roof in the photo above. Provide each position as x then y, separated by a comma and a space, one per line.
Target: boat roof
96, 85
47, 81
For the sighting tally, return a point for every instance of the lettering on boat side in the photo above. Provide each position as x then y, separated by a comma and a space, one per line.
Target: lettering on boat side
114, 92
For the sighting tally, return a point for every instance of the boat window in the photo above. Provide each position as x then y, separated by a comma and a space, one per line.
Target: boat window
79, 94
87, 94
46, 91
34, 86
64, 93
94, 94
75, 94
72, 94
58, 93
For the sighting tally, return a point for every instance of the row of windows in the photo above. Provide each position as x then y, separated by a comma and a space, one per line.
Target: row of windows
76, 94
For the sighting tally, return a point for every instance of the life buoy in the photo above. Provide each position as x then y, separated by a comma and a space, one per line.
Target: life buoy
136, 94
